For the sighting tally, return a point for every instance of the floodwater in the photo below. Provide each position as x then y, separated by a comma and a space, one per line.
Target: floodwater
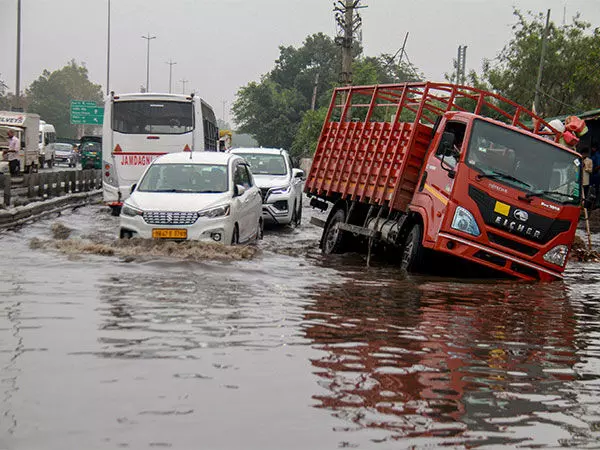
284, 349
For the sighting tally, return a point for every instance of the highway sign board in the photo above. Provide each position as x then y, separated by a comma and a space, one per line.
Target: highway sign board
86, 113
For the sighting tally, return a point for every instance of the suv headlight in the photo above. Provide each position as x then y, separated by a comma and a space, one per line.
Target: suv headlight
464, 221
211, 213
558, 255
130, 211
280, 190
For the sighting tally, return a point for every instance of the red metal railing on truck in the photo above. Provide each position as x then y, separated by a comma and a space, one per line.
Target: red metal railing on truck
374, 139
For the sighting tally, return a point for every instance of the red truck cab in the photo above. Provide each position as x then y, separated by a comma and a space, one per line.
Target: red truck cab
440, 169
506, 200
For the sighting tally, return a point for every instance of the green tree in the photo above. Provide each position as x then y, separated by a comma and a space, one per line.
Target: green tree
51, 94
571, 76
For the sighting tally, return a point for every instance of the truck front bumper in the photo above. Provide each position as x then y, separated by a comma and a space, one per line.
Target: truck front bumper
494, 258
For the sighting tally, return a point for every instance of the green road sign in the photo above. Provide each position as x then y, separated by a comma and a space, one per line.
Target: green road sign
86, 113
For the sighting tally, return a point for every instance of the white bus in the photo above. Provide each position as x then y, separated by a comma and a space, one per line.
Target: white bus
140, 127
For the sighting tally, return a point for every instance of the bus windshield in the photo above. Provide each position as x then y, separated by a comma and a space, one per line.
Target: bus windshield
152, 117
524, 162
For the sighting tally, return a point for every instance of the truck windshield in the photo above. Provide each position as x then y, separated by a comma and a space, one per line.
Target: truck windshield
524, 162
194, 178
152, 117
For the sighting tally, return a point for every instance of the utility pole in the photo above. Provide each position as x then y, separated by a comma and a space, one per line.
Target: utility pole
349, 23
171, 64
148, 38
461, 63
313, 102
536, 101
108, 52
183, 83
18, 75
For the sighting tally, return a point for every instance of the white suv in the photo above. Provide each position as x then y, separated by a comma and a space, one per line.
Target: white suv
279, 183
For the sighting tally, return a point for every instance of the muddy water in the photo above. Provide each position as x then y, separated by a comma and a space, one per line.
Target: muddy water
284, 350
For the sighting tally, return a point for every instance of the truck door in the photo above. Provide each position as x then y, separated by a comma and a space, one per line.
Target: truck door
440, 171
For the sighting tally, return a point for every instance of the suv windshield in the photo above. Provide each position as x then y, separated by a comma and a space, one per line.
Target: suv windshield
265, 164
194, 178
152, 117
524, 162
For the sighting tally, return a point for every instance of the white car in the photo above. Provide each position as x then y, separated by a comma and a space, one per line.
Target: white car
280, 184
206, 196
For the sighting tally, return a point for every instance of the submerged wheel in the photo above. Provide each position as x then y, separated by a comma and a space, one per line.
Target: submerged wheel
299, 215
235, 236
333, 237
413, 251
260, 233
115, 211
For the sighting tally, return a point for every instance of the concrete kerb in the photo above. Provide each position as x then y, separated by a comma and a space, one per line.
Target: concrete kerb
34, 211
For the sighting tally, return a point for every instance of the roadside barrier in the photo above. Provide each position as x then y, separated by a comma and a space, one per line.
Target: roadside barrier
36, 187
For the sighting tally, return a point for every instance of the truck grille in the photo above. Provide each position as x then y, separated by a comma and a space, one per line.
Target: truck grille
170, 218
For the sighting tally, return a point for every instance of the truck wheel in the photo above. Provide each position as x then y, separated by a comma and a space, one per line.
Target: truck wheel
413, 251
333, 238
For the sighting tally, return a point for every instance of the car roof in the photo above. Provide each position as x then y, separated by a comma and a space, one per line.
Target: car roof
259, 151
196, 158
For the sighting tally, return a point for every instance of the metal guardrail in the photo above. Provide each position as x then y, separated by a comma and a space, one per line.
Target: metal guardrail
45, 185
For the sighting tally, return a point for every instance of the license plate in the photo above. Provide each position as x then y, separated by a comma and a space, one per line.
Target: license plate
167, 233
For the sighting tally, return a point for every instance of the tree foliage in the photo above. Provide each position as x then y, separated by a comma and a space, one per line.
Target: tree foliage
277, 110
51, 94
571, 75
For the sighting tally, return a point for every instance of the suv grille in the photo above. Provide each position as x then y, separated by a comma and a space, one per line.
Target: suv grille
170, 218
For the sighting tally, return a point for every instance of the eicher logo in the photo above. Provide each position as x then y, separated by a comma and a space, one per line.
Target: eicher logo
521, 215
518, 227
136, 160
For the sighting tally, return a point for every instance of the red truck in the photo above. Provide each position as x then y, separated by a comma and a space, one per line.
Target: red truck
439, 171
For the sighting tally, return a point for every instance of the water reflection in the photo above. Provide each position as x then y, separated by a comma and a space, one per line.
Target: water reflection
447, 361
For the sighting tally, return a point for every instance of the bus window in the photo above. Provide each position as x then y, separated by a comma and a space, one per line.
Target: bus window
153, 117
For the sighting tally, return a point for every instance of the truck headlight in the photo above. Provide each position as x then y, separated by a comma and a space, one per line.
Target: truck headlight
211, 213
130, 211
280, 190
558, 255
464, 221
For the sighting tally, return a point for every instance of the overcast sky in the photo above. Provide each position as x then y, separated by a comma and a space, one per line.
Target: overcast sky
221, 45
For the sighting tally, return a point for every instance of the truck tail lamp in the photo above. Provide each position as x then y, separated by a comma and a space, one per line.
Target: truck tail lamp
557, 256
465, 221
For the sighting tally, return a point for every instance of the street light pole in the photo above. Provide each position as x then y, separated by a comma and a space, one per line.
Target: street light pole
148, 38
108, 53
171, 64
183, 84
18, 75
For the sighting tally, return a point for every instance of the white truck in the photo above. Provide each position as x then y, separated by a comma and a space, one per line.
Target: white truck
26, 128
47, 139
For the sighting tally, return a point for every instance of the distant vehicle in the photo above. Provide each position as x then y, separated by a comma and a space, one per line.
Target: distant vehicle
138, 128
90, 152
47, 139
279, 183
64, 153
25, 127
206, 196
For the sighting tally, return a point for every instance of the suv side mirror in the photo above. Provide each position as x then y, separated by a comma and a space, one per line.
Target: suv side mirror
298, 173
238, 190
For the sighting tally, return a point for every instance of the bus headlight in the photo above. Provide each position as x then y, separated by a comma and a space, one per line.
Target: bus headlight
464, 221
558, 255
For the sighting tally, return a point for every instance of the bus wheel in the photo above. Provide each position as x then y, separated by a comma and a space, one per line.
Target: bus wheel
115, 211
333, 237
413, 251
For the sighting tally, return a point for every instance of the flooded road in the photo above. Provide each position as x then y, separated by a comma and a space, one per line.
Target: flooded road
284, 350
